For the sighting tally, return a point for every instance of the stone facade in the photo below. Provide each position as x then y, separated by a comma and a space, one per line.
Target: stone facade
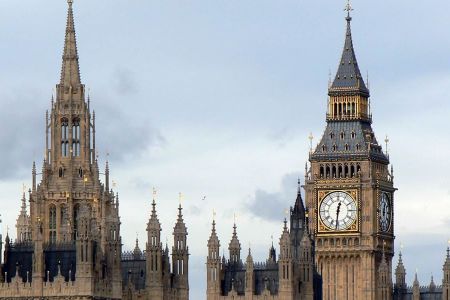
291, 275
69, 244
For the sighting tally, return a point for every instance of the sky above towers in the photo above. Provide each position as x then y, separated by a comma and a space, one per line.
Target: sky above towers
217, 99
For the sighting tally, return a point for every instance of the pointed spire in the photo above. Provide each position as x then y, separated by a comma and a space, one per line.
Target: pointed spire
348, 77
70, 72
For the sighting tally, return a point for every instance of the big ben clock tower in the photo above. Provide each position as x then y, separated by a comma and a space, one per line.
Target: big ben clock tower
350, 192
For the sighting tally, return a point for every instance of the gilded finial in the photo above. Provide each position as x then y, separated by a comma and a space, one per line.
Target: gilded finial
214, 215
386, 140
70, 2
311, 138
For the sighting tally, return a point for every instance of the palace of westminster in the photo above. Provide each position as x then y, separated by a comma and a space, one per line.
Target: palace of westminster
338, 243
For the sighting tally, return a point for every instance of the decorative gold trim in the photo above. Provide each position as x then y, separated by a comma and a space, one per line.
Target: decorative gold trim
322, 228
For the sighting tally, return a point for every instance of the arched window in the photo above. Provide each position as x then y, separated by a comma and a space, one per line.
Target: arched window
76, 211
76, 137
52, 223
64, 137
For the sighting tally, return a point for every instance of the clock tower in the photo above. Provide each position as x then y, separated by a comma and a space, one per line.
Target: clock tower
350, 192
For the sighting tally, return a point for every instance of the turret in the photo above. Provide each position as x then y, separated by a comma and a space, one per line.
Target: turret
154, 254
285, 266
235, 247
213, 265
416, 288
298, 224
306, 271
400, 279
180, 255
446, 277
249, 276
384, 279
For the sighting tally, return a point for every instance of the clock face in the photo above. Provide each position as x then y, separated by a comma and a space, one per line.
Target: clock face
385, 212
338, 211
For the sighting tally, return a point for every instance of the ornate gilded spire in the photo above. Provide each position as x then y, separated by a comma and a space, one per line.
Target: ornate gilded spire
348, 77
70, 72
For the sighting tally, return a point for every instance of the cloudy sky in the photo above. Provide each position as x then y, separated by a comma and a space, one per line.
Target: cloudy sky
217, 99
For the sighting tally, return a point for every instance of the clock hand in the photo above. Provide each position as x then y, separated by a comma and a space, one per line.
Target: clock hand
337, 214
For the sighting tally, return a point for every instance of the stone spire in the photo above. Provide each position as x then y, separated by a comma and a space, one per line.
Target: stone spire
137, 251
213, 264
180, 254
285, 266
400, 273
384, 280
70, 72
298, 222
348, 77
416, 288
234, 247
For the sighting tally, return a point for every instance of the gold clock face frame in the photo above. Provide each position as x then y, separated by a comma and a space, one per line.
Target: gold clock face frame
338, 211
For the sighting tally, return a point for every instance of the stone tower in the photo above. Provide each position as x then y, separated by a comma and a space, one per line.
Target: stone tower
349, 189
23, 223
154, 257
180, 257
71, 232
400, 279
286, 266
213, 279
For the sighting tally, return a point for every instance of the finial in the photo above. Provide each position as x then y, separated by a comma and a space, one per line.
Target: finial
70, 2
386, 140
448, 248
271, 237
368, 82
214, 215
154, 194
285, 224
299, 187
180, 198
348, 9
311, 138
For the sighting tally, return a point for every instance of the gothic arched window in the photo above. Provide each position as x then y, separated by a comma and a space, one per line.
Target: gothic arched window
52, 223
64, 137
76, 137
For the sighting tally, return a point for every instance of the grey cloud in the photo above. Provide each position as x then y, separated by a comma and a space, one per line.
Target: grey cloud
22, 135
124, 136
271, 206
195, 210
124, 81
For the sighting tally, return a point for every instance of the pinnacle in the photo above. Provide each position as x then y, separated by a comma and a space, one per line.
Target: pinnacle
348, 77
70, 72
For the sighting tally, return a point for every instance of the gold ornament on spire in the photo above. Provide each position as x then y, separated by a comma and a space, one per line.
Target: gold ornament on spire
348, 7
